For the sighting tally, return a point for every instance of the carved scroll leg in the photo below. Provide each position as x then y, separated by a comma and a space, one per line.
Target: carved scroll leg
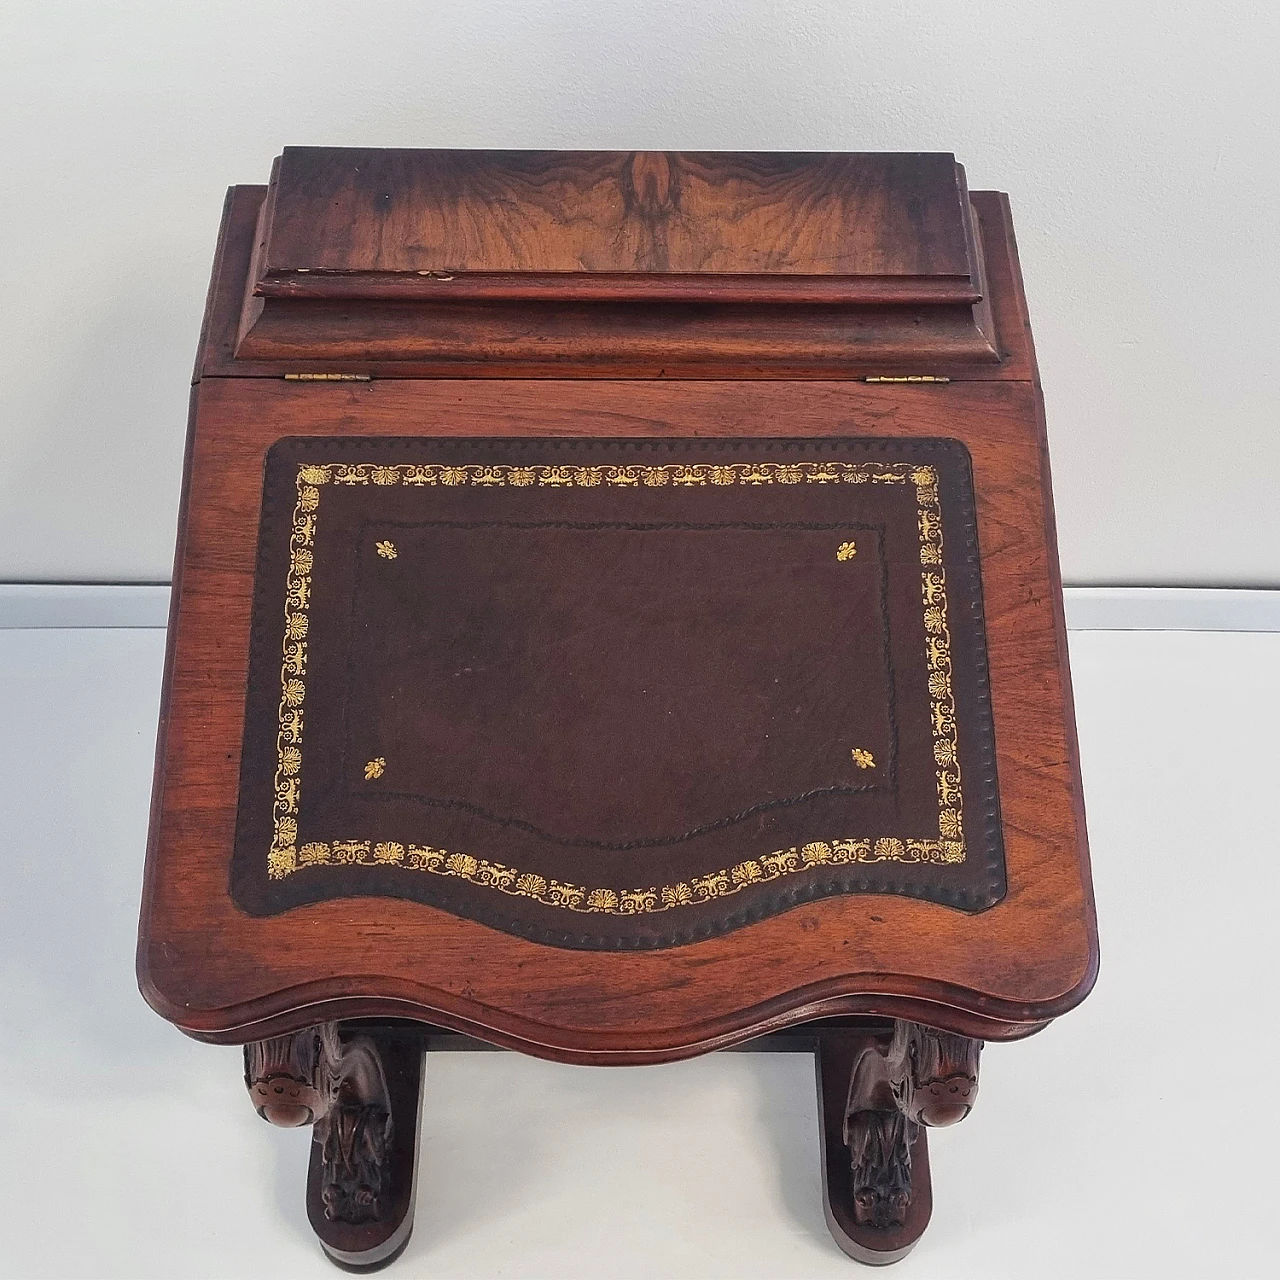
876, 1190
879, 1091
361, 1086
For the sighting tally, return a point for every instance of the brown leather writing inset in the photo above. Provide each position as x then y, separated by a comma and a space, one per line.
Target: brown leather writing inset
617, 694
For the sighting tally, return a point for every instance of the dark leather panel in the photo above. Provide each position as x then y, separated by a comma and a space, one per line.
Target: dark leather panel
617, 694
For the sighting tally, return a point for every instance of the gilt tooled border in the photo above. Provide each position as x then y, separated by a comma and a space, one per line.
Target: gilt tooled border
286, 857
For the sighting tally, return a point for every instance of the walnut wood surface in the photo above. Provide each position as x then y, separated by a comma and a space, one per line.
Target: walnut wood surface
762, 226
220, 974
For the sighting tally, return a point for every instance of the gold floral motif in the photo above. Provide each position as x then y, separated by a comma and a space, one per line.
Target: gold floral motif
676, 895
282, 861
351, 852
570, 896
387, 550
715, 885
846, 551
295, 658
285, 856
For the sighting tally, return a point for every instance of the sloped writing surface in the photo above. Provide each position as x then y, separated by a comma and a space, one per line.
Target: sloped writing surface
617, 694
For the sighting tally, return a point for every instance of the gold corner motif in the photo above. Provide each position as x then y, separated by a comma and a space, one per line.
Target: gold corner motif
375, 768
863, 758
846, 551
286, 856
387, 550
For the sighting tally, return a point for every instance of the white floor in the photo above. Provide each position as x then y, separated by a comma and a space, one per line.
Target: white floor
1132, 1139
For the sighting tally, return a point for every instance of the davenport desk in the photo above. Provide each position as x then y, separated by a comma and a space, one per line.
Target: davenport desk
616, 616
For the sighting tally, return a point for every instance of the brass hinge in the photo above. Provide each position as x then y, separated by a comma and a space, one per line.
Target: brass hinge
328, 377
913, 377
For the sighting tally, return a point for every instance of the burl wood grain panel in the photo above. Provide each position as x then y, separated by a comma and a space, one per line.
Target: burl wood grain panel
640, 223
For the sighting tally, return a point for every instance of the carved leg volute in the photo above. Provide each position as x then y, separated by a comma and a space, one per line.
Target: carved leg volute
291, 1078
935, 1074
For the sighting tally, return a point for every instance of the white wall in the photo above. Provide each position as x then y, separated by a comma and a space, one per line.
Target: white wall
1138, 143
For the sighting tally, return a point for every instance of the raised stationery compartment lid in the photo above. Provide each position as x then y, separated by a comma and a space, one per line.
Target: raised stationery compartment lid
842, 228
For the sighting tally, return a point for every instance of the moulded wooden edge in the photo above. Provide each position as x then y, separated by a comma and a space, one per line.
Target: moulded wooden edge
933, 1004
995, 207
618, 287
